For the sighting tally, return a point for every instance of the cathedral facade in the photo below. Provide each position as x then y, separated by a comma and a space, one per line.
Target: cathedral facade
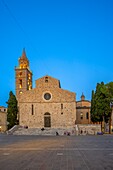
45, 106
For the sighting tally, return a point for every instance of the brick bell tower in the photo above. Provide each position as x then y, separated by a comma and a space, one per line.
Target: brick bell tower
23, 75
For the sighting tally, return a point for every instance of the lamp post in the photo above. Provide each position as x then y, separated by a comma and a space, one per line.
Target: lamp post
111, 116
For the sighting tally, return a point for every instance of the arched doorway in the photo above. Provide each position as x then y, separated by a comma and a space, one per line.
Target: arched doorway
47, 120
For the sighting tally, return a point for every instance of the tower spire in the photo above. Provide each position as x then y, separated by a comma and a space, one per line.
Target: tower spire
82, 97
23, 53
23, 60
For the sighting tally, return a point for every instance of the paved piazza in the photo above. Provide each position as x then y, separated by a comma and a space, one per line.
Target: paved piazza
56, 152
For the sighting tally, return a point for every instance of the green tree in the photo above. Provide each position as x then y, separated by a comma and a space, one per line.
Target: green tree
12, 110
110, 88
93, 113
100, 103
96, 111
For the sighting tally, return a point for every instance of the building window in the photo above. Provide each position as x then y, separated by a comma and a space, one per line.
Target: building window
81, 116
20, 83
47, 96
29, 76
87, 115
61, 106
4, 110
32, 110
61, 113
46, 79
20, 74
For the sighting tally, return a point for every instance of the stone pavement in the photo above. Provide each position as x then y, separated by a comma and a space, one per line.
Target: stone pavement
56, 152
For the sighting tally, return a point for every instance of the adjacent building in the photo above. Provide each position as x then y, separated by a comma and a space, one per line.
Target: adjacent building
83, 111
3, 119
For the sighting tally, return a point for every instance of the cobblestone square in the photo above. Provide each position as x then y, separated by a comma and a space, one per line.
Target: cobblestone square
56, 152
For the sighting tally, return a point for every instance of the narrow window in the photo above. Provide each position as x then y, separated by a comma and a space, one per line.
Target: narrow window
20, 83
32, 111
61, 106
61, 113
46, 79
20, 74
29, 76
87, 115
81, 116
4, 110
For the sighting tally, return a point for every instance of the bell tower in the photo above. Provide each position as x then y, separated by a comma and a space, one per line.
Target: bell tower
23, 75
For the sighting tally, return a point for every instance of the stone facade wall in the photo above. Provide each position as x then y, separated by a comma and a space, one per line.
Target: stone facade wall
3, 119
61, 106
47, 81
83, 119
37, 95
89, 129
59, 117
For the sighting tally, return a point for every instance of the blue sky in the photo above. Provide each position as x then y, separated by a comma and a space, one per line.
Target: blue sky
71, 40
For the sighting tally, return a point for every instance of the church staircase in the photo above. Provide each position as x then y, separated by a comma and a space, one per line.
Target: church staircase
44, 131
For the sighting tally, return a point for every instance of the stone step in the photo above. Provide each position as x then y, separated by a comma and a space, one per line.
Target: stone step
47, 131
